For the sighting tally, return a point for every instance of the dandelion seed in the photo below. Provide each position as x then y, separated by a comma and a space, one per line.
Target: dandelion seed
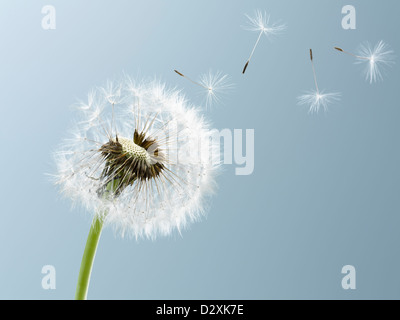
260, 23
375, 59
145, 168
112, 93
316, 99
214, 84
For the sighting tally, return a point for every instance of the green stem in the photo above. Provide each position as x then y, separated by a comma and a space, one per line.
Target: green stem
88, 258
91, 245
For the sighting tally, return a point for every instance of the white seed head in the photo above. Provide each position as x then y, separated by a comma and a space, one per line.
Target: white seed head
376, 60
217, 84
152, 146
260, 22
315, 100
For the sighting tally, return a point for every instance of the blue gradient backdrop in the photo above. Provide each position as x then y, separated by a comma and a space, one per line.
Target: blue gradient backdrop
325, 190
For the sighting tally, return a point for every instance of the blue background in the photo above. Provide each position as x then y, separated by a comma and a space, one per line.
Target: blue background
324, 192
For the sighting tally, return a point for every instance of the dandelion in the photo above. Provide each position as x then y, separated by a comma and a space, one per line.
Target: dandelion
317, 98
214, 84
260, 23
375, 59
140, 159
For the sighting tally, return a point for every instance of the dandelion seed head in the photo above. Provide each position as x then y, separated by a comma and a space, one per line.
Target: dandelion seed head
147, 167
377, 59
317, 99
217, 85
260, 22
